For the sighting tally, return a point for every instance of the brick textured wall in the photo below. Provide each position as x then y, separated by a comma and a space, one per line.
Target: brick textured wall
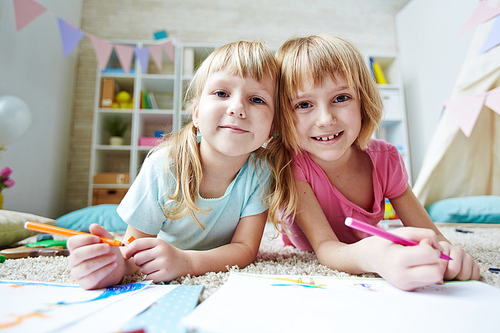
369, 24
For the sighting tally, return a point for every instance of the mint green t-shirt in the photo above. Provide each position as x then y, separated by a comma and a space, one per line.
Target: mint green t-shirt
141, 207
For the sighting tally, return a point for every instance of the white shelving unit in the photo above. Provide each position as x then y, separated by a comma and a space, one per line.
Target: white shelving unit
394, 126
117, 166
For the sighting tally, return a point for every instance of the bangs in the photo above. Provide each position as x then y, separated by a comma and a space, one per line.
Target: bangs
318, 59
244, 59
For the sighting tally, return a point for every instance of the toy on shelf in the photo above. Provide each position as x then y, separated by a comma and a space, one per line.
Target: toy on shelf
123, 101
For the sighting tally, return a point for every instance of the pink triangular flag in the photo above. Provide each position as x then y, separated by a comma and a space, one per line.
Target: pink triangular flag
493, 100
102, 50
466, 110
493, 38
157, 55
483, 12
26, 11
70, 36
169, 50
125, 54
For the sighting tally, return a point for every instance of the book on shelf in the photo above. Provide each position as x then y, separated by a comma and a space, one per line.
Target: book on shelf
378, 72
152, 100
148, 100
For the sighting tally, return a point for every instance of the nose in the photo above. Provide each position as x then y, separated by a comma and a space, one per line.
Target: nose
237, 108
325, 117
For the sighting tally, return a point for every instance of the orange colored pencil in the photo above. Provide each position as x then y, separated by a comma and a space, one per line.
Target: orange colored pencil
50, 229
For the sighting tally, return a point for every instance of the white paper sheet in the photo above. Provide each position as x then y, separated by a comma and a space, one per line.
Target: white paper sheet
46, 307
112, 318
270, 303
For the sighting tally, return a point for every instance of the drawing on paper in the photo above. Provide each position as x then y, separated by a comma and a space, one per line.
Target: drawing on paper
34, 303
298, 283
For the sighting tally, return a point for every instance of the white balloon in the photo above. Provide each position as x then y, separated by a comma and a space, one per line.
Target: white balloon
15, 119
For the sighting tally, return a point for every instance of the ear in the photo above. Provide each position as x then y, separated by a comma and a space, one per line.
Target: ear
195, 116
272, 132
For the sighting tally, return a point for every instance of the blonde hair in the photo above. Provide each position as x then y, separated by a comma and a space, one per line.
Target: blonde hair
317, 57
241, 58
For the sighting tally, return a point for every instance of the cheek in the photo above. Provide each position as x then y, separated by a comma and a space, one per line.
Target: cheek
301, 127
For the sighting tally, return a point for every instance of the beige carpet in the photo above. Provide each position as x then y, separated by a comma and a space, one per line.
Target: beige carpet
483, 244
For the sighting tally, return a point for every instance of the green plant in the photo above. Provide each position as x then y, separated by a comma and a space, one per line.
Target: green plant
116, 126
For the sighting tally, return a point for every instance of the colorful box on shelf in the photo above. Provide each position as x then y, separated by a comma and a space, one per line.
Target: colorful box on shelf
111, 178
149, 141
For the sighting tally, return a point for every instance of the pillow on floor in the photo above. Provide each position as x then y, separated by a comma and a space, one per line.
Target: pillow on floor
12, 226
104, 215
474, 209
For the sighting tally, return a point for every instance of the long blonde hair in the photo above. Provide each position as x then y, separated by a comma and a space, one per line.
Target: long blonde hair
241, 58
317, 57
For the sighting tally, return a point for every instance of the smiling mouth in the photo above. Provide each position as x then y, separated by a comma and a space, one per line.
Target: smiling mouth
327, 138
234, 128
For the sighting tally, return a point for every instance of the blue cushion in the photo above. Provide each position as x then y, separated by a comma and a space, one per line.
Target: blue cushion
477, 209
104, 215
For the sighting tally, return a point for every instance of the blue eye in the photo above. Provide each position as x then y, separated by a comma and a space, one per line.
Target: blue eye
341, 98
257, 100
303, 105
221, 94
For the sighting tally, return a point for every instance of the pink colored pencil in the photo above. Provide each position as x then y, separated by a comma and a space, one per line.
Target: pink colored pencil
375, 231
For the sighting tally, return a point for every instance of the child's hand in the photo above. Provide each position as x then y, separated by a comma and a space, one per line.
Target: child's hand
410, 267
94, 264
156, 258
462, 267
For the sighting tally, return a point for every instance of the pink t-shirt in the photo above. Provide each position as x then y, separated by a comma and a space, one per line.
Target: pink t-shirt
390, 180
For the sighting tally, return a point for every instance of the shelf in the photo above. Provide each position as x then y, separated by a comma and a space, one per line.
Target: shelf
389, 68
167, 85
393, 126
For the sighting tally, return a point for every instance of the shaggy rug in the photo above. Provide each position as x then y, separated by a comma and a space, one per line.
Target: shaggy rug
482, 242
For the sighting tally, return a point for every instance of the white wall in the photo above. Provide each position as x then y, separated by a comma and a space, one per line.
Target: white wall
33, 68
431, 55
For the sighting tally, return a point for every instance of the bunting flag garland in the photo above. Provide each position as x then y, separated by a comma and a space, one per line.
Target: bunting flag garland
493, 100
125, 54
169, 50
483, 12
493, 38
28, 10
156, 54
466, 110
102, 50
70, 36
142, 53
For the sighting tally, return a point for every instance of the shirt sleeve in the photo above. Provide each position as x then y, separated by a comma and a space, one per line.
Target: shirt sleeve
397, 176
141, 207
259, 176
299, 166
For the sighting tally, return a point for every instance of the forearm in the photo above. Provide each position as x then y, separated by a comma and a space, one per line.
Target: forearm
350, 258
216, 260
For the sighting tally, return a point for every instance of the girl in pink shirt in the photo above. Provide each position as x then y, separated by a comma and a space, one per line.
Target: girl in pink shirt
333, 106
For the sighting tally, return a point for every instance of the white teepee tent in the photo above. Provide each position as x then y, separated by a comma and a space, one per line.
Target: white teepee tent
456, 165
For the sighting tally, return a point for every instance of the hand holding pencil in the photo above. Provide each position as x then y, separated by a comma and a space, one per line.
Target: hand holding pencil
375, 231
50, 229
